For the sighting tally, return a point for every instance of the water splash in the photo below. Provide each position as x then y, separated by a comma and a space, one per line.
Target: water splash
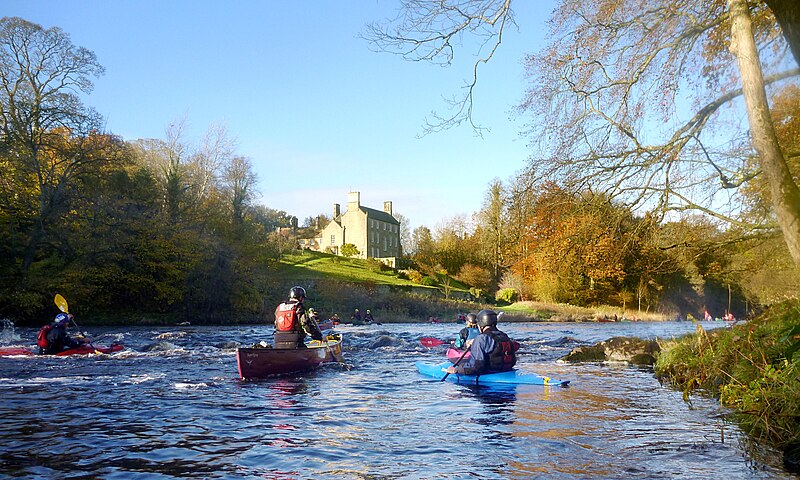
9, 334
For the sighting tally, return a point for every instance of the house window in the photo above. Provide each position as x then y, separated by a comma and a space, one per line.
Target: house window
333, 239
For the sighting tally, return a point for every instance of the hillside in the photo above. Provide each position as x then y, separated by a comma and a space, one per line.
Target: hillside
339, 285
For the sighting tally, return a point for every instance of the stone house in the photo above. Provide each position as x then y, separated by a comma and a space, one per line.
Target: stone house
375, 233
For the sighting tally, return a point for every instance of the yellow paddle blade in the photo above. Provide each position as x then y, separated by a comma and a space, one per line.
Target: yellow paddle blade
61, 303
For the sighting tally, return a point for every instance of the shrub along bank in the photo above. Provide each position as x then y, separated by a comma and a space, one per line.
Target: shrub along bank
753, 368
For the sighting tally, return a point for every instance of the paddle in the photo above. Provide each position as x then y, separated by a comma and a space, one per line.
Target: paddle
431, 342
62, 305
456, 364
334, 355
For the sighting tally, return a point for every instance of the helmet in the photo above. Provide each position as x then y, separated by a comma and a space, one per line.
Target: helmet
471, 319
61, 318
298, 293
368, 310
487, 317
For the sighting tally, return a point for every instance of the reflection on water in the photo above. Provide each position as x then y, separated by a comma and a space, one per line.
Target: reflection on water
171, 406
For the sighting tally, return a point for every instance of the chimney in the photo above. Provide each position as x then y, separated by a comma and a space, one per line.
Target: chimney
336, 211
353, 200
387, 207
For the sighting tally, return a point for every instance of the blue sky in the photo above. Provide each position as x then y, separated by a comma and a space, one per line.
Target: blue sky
316, 111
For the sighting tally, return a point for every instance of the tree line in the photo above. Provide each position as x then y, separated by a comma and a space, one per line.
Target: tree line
151, 225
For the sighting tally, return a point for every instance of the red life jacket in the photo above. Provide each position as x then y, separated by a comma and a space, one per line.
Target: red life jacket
503, 357
286, 317
41, 339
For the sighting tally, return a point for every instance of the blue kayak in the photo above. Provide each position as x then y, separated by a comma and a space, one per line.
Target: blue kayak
512, 377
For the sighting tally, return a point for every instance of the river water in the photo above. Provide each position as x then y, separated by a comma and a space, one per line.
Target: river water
172, 406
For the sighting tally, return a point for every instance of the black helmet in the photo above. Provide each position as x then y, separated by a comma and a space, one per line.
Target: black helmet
471, 318
487, 317
298, 293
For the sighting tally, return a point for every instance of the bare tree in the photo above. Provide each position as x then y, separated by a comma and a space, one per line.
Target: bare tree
217, 148
430, 30
608, 97
240, 182
784, 191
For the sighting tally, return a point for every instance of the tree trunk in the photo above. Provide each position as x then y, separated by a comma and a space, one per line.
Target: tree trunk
785, 193
787, 12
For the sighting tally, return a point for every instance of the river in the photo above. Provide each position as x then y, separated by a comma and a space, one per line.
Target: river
171, 405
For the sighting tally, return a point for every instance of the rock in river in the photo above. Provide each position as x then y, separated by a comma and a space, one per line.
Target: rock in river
617, 349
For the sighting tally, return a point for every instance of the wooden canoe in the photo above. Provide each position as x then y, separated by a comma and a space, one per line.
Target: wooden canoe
262, 362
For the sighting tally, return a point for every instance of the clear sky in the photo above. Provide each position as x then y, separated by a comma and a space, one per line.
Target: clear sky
318, 113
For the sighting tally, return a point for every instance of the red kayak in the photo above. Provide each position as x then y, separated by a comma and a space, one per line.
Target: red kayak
82, 350
453, 354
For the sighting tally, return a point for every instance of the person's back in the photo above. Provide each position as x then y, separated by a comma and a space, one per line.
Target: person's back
469, 332
292, 323
53, 338
491, 351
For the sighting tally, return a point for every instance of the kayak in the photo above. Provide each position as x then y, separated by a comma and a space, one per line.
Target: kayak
82, 350
453, 354
512, 377
261, 361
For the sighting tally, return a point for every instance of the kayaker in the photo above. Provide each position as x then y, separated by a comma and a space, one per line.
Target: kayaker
468, 333
491, 351
368, 317
356, 317
53, 337
292, 322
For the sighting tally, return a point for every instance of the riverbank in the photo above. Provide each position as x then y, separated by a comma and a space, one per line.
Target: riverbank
752, 368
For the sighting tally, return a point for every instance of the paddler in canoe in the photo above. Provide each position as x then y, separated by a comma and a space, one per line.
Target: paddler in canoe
292, 322
53, 337
491, 351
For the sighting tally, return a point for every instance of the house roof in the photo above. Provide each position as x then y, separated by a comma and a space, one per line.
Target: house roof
379, 215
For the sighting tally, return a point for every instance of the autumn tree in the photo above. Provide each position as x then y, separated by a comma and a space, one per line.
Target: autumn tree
350, 250
42, 118
450, 244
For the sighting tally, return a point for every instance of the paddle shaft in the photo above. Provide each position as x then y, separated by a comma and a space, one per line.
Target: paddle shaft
456, 364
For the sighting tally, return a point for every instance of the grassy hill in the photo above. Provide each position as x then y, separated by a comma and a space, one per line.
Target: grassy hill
340, 285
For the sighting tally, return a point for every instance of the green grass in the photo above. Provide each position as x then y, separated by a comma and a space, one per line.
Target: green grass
310, 265
562, 310
753, 368
307, 264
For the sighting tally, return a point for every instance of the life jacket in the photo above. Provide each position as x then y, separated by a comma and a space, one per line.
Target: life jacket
41, 339
286, 317
503, 357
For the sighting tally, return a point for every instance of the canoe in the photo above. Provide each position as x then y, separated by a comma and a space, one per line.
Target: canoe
82, 350
264, 361
513, 377
325, 325
453, 354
